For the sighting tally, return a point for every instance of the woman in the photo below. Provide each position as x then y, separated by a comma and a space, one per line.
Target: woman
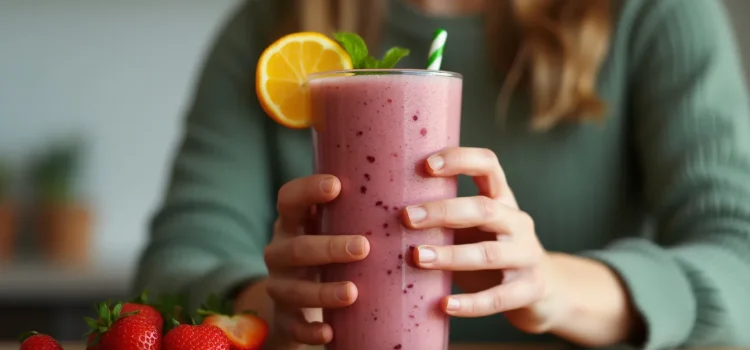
620, 126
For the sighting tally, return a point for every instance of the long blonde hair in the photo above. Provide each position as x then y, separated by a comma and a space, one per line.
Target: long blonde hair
552, 48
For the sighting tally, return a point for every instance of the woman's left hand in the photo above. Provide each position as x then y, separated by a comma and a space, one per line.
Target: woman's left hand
497, 259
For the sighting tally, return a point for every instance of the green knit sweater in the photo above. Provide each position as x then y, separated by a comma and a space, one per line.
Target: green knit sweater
660, 191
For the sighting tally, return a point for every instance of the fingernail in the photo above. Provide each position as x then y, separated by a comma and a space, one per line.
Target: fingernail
355, 246
326, 185
342, 292
416, 214
452, 304
426, 255
436, 162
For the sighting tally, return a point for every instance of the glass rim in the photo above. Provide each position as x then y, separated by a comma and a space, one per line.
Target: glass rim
383, 71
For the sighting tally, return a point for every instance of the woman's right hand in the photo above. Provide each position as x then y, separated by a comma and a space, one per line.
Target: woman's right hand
293, 258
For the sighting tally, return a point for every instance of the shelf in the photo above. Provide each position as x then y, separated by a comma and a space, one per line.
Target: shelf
39, 282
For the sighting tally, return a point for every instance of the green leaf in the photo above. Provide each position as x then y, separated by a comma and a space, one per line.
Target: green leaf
392, 56
26, 335
104, 313
92, 323
354, 45
117, 310
370, 63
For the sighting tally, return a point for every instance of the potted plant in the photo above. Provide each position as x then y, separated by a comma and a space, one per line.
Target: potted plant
8, 217
63, 218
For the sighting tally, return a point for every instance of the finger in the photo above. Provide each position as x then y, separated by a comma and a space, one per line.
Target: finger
480, 163
495, 300
308, 250
489, 255
297, 196
294, 325
302, 293
311, 333
463, 212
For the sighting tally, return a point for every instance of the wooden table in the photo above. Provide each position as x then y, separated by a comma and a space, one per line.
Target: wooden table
80, 346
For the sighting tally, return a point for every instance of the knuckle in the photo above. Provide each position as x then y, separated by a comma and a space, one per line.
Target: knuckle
277, 226
439, 210
297, 249
489, 156
498, 303
489, 253
526, 221
332, 250
488, 207
268, 255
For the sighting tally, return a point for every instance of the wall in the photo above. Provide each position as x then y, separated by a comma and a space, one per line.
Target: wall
121, 71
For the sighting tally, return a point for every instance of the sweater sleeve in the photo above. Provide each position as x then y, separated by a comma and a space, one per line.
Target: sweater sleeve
689, 107
209, 234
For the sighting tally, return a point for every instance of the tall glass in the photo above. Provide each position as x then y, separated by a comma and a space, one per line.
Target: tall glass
373, 130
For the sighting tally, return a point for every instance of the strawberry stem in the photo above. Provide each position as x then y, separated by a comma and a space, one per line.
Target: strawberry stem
108, 315
22, 338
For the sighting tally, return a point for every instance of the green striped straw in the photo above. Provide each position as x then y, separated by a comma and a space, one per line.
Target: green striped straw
436, 50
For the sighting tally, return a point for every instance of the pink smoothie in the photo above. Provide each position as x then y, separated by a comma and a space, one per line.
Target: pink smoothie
374, 133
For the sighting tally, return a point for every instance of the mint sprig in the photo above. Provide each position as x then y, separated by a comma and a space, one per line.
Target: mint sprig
356, 47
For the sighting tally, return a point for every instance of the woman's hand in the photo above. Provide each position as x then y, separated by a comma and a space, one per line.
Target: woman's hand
293, 257
497, 257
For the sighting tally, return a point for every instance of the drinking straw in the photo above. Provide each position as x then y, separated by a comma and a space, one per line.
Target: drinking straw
436, 50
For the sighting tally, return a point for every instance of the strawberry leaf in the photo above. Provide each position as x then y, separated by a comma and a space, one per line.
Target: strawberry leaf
22, 338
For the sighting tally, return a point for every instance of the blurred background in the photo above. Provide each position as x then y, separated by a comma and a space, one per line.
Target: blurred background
92, 93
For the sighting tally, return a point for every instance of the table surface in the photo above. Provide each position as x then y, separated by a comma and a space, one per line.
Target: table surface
80, 346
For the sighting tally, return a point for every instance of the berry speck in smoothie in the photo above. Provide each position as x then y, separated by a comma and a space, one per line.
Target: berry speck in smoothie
385, 225
368, 233
397, 346
378, 203
400, 257
385, 207
389, 272
415, 118
371, 159
363, 189
411, 285
423, 131
359, 133
367, 177
389, 100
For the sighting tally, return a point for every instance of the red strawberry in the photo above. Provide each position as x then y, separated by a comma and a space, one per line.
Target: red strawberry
117, 331
142, 307
200, 337
245, 331
92, 343
146, 311
36, 341
131, 333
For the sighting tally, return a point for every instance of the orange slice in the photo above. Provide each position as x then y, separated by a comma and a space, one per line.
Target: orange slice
282, 73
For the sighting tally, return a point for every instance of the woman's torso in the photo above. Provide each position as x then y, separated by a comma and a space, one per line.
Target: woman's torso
579, 182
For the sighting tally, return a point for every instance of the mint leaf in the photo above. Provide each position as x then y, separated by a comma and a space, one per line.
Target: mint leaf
356, 47
370, 63
392, 56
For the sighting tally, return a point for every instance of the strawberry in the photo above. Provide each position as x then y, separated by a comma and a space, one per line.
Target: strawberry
117, 331
192, 337
245, 331
92, 341
141, 306
37, 341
